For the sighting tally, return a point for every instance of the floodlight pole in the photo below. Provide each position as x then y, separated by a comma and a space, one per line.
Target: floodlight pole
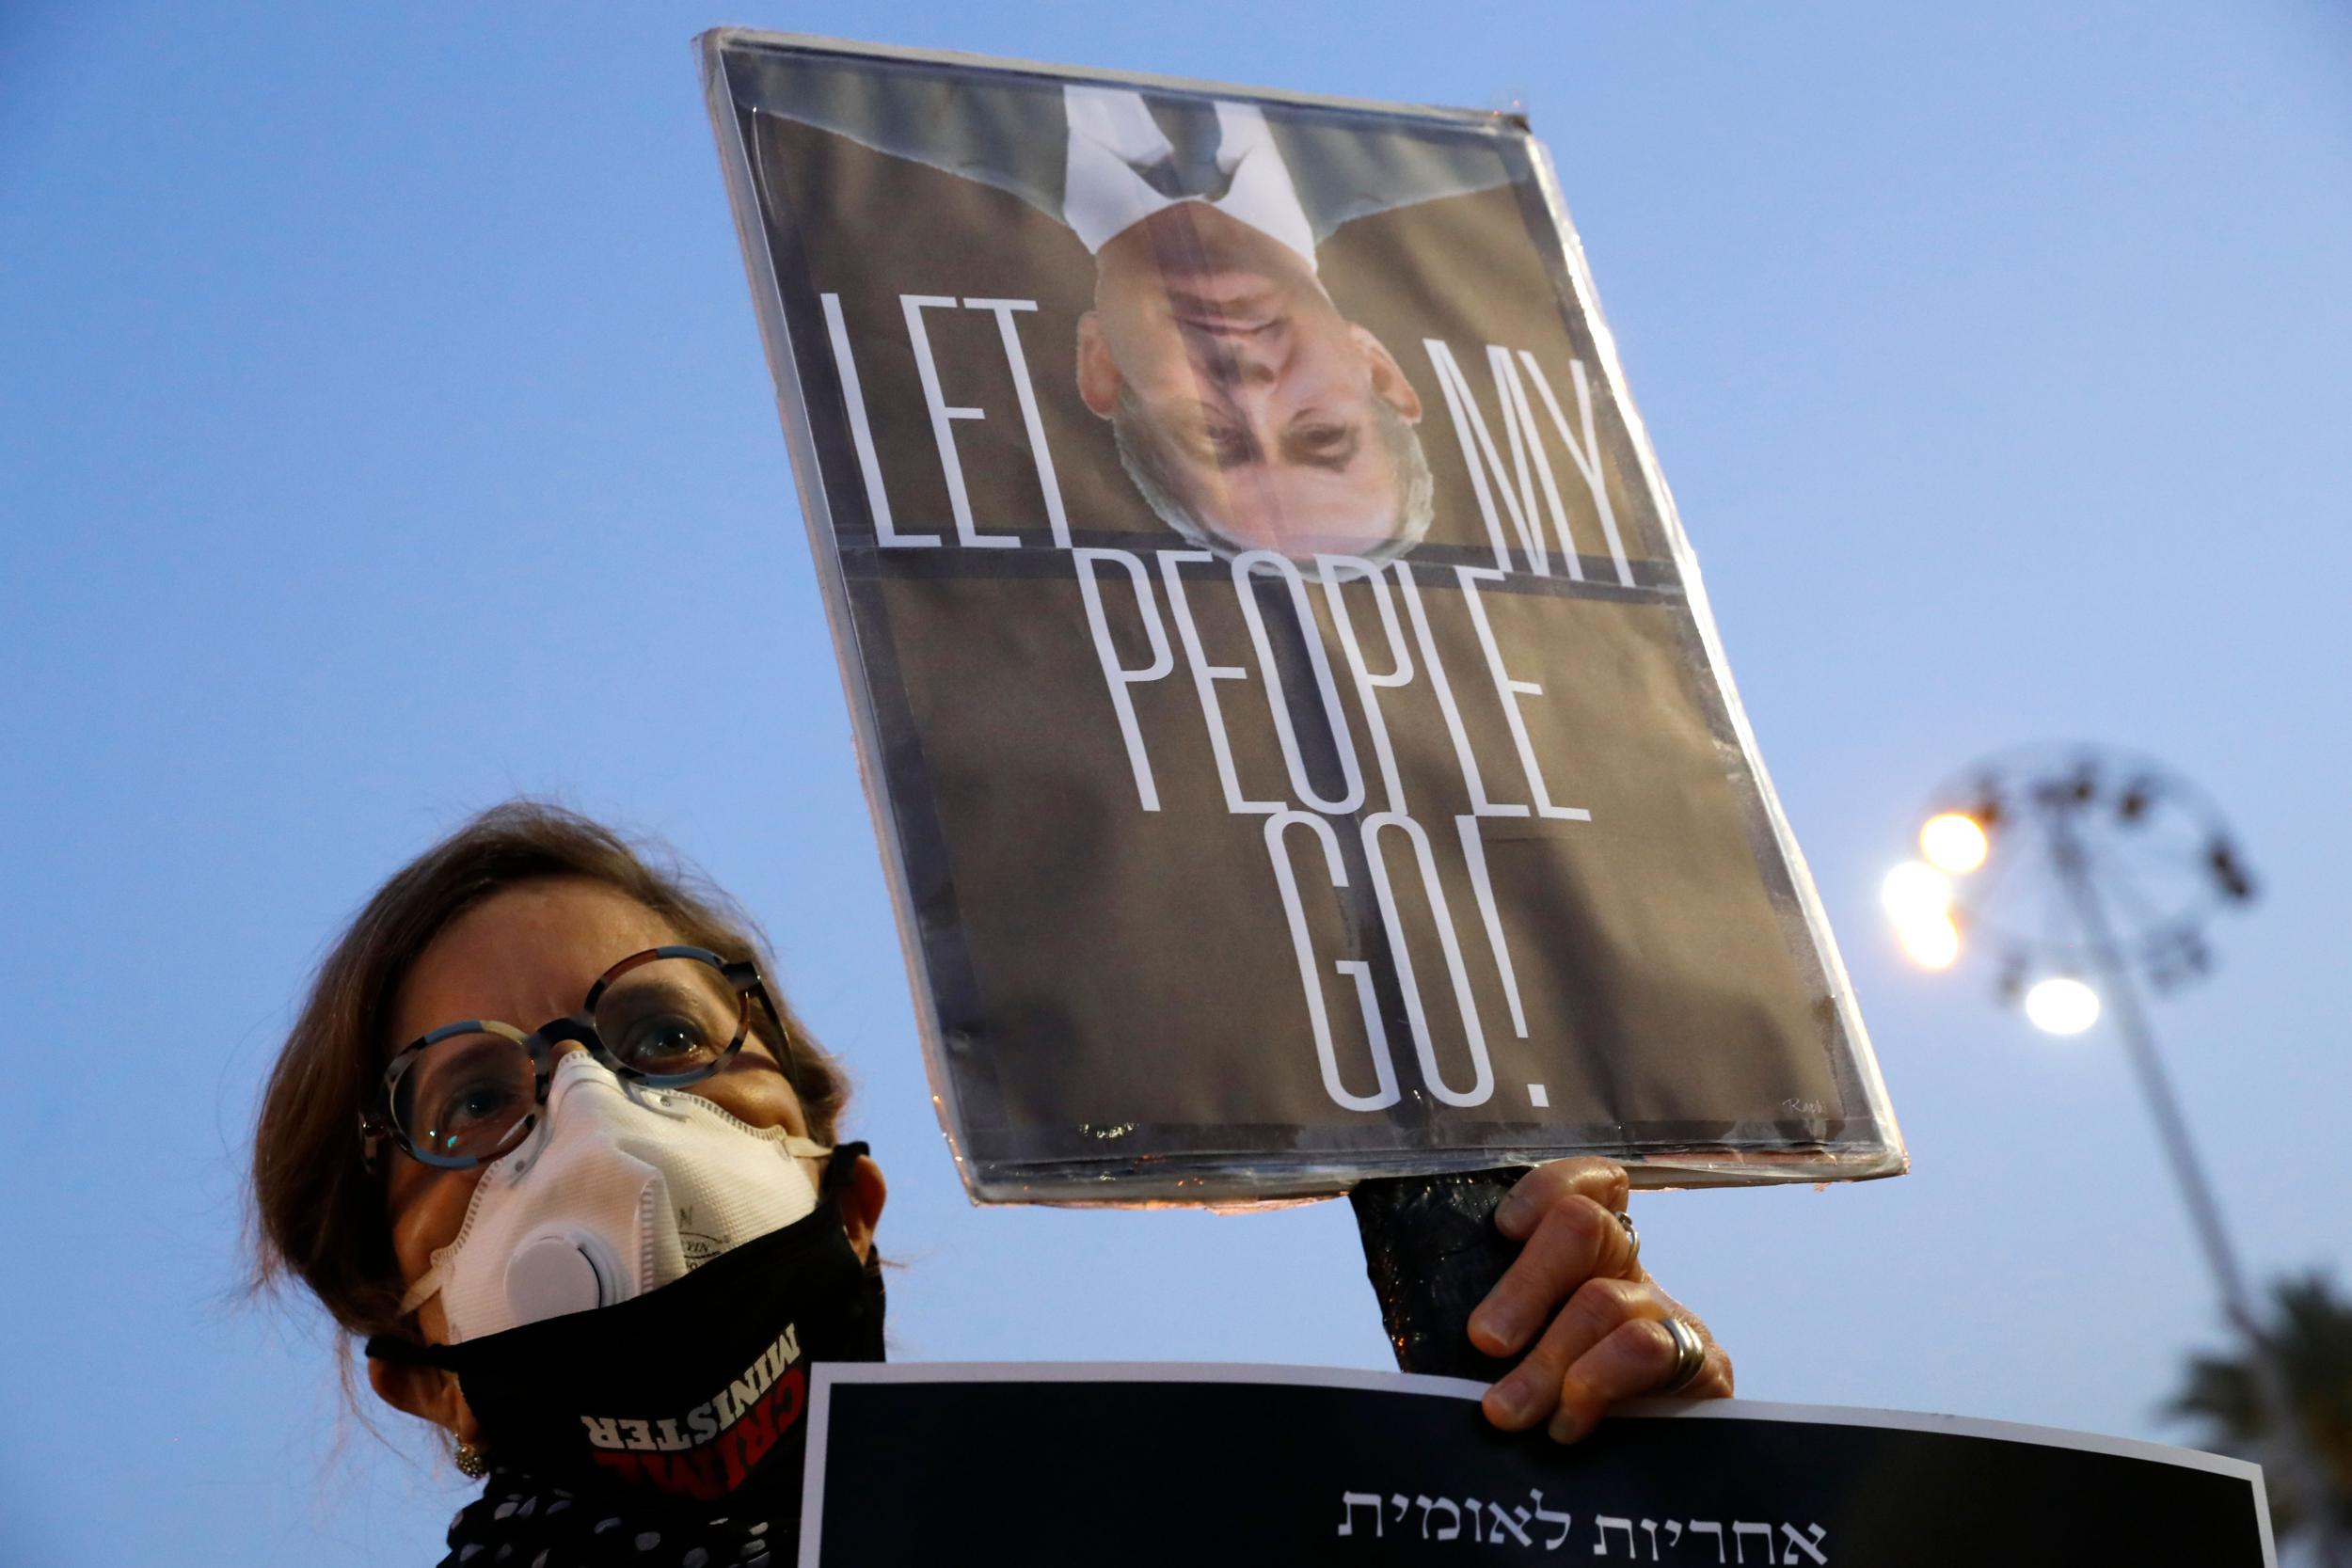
2131, 1020
2272, 1387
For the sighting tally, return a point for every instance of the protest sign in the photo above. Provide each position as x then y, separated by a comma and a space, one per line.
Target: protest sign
1296, 731
1114, 1466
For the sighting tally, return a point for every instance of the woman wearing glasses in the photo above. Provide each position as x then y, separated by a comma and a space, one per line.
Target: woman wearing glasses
543, 1137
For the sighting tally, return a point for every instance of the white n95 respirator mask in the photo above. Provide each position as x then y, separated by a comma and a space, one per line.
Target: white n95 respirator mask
619, 1191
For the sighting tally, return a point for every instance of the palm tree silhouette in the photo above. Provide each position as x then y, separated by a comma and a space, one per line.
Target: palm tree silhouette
2309, 1337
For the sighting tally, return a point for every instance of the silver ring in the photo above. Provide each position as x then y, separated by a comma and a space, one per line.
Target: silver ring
1690, 1356
1632, 1237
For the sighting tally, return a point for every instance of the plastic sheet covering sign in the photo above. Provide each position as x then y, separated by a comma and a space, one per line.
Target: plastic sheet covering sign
1294, 724
1290, 1465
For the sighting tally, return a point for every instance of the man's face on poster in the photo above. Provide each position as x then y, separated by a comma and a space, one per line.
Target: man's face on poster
1241, 395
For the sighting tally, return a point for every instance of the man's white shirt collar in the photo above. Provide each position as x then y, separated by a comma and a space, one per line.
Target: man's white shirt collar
1112, 135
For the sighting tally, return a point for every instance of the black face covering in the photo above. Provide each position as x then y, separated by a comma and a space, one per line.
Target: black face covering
693, 1392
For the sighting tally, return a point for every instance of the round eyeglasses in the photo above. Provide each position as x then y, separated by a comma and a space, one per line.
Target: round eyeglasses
468, 1092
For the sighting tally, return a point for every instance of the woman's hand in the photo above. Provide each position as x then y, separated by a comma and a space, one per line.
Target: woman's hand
1579, 1295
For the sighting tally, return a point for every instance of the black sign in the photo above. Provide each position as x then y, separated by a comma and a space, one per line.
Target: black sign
1121, 1467
1292, 720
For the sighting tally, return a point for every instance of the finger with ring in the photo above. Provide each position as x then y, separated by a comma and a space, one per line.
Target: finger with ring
1690, 1356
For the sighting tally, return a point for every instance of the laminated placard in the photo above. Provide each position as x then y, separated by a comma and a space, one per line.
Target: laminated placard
1296, 734
1133, 1465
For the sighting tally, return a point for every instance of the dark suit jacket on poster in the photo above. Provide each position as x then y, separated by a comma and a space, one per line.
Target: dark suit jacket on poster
1114, 981
1013, 138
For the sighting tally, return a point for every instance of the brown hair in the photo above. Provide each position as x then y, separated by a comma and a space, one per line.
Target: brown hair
319, 1213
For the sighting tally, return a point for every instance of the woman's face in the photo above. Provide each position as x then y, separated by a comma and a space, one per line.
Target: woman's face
524, 956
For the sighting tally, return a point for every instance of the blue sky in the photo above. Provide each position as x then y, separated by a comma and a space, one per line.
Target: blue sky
383, 427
